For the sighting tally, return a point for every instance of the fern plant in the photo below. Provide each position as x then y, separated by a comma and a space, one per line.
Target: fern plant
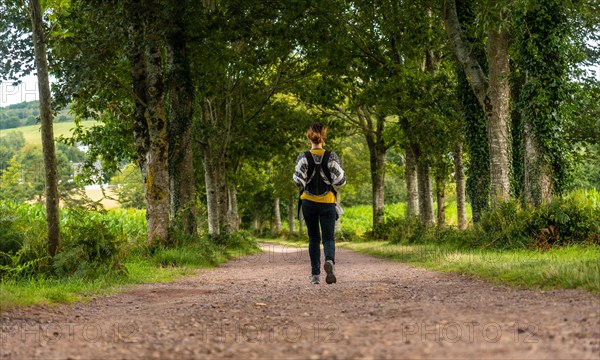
16, 265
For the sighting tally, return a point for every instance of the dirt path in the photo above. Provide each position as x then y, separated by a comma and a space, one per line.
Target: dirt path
263, 306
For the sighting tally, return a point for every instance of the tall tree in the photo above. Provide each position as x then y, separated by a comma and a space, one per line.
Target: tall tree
146, 67
492, 91
124, 89
41, 64
22, 54
180, 97
473, 119
428, 122
372, 126
150, 124
541, 48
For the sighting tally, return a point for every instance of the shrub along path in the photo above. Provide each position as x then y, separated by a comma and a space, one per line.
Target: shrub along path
263, 306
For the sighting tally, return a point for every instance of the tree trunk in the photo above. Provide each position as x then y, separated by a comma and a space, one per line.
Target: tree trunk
372, 127
537, 181
465, 54
212, 201
233, 217
291, 215
517, 131
440, 193
222, 194
498, 115
459, 177
377, 158
216, 123
425, 194
277, 214
41, 64
493, 96
256, 223
157, 179
180, 100
150, 125
476, 136
541, 54
412, 192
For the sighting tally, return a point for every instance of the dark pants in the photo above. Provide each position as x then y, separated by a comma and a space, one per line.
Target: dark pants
316, 214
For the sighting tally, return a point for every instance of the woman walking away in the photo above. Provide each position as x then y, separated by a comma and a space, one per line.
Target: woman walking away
319, 174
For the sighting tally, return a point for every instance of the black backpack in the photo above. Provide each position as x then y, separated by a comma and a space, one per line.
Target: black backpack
316, 169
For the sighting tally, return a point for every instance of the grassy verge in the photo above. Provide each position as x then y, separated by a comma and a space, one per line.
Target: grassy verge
570, 267
165, 265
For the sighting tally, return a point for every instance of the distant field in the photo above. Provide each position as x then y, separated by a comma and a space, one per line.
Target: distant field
32, 133
108, 202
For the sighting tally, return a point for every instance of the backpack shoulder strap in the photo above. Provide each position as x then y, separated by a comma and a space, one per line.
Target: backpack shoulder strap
311, 165
324, 165
309, 171
326, 171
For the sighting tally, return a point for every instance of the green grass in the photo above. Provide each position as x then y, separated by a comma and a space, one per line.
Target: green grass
571, 267
181, 262
36, 291
358, 219
33, 136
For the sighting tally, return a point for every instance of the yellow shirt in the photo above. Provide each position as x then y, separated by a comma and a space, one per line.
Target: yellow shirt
328, 198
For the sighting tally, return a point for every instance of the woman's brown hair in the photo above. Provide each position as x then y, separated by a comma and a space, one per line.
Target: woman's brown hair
317, 133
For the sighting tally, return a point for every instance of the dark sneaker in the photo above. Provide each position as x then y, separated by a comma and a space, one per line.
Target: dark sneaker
315, 279
329, 269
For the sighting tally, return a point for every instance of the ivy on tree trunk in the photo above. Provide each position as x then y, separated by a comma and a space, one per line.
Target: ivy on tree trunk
541, 47
476, 136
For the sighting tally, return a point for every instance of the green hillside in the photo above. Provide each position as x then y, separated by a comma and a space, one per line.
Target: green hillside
26, 113
32, 132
